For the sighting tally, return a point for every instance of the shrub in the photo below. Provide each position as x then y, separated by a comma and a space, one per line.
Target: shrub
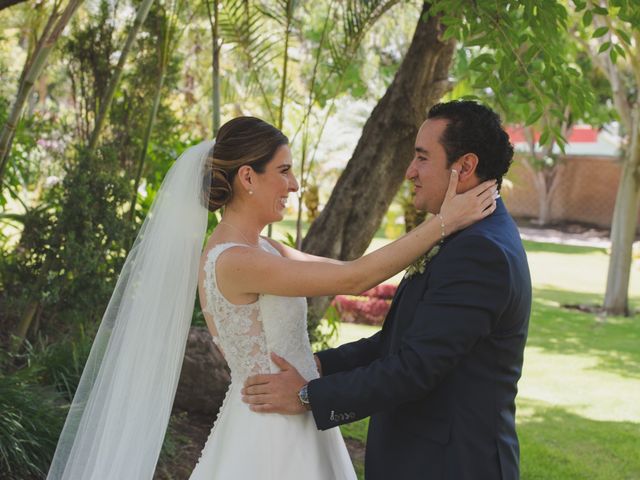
34, 400
30, 423
385, 290
59, 365
370, 307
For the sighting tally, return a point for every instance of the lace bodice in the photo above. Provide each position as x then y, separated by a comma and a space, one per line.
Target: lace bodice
247, 334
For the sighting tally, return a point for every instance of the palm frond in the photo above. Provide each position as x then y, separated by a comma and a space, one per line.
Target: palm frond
281, 11
245, 27
357, 17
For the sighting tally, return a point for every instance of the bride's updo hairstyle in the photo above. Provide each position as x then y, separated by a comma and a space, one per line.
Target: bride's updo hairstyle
241, 141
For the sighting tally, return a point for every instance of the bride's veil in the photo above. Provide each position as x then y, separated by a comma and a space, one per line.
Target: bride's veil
119, 415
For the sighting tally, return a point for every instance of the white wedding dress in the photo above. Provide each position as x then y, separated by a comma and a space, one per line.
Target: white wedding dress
244, 445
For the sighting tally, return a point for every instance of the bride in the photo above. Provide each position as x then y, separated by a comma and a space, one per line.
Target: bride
252, 291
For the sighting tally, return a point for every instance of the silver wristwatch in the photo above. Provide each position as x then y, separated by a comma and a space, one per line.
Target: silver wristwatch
303, 396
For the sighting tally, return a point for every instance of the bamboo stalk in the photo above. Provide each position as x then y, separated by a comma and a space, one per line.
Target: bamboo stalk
215, 65
32, 72
168, 36
106, 101
147, 137
285, 62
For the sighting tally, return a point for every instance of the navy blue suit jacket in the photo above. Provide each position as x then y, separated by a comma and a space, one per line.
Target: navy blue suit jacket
440, 379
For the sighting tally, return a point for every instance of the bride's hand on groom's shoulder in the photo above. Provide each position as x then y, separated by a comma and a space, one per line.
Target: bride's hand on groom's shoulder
459, 210
275, 392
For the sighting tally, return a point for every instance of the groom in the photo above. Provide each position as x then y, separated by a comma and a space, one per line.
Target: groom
439, 380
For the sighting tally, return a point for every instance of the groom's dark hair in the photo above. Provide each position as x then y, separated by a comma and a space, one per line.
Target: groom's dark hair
474, 128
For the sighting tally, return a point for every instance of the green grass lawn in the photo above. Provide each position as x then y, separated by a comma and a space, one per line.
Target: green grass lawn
579, 400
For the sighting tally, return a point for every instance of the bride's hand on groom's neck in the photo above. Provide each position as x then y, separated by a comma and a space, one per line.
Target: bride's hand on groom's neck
459, 210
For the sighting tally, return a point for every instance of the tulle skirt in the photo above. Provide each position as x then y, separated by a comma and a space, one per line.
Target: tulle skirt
244, 445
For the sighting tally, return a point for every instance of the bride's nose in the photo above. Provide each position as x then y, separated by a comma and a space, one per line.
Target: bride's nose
293, 184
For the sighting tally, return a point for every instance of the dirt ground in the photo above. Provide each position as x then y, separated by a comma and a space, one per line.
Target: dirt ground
567, 234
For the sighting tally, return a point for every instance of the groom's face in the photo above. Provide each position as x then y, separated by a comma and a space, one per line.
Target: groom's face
428, 170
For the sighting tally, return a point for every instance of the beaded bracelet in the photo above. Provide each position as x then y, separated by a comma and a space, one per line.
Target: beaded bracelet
442, 232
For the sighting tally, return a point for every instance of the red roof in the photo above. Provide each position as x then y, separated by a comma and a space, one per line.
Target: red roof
578, 134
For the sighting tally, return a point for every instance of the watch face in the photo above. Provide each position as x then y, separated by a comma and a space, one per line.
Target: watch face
304, 395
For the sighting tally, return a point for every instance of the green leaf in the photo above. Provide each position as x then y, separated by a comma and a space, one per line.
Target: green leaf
600, 10
544, 137
600, 32
451, 21
587, 18
604, 47
624, 36
450, 32
557, 134
531, 52
478, 40
534, 117
484, 58
573, 72
580, 5
557, 113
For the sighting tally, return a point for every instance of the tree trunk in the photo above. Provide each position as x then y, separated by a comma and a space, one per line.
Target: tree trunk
285, 62
215, 66
376, 169
544, 209
34, 306
204, 378
37, 63
546, 181
301, 195
623, 228
554, 182
105, 102
283, 81
20, 333
147, 135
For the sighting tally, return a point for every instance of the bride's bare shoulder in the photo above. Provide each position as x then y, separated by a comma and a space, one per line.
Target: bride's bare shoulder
216, 239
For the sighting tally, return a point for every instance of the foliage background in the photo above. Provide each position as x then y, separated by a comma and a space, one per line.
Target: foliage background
75, 190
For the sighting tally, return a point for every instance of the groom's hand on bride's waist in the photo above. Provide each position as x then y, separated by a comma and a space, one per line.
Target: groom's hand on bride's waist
275, 392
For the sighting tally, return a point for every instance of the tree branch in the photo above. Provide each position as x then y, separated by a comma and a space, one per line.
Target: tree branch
631, 57
603, 62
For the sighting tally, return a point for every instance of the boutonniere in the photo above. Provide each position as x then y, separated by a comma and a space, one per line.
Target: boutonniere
420, 264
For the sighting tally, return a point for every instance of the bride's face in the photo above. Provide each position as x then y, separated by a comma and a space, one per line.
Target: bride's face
274, 185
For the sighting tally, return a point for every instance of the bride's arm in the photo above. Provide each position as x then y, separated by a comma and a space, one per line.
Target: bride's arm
295, 254
243, 270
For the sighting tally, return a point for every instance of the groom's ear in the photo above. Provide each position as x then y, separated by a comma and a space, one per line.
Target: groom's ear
466, 166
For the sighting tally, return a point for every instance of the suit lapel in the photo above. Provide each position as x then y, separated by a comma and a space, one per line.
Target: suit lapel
404, 305
394, 303
411, 290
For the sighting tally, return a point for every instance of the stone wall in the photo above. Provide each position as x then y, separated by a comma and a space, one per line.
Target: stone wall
586, 193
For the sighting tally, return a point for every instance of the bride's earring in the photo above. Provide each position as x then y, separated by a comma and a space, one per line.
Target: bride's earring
250, 192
